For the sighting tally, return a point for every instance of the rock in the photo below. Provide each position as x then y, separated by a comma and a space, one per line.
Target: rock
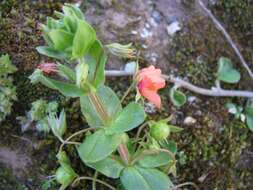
130, 67
173, 28
105, 3
145, 33
191, 99
157, 16
189, 121
212, 2
171, 19
149, 108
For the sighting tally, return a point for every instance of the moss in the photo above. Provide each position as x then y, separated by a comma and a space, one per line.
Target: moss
214, 154
8, 181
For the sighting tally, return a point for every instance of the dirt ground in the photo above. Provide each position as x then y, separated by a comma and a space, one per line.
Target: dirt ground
215, 152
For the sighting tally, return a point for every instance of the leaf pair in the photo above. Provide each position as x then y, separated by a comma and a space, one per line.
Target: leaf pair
103, 109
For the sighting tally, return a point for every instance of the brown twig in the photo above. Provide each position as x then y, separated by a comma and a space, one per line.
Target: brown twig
227, 36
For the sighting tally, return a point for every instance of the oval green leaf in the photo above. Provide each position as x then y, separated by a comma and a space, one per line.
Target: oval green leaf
137, 178
98, 146
226, 72
108, 101
177, 97
85, 36
110, 167
129, 118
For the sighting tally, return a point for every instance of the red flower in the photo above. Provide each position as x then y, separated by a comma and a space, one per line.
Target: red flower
149, 82
48, 67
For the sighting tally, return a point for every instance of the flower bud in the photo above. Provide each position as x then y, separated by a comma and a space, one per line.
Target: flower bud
160, 131
81, 74
125, 51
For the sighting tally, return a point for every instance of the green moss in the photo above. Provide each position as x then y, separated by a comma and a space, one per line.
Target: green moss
8, 181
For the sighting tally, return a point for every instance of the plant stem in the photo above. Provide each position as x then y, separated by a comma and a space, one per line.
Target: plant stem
140, 129
97, 180
127, 92
72, 136
218, 92
94, 180
185, 184
98, 106
227, 36
123, 152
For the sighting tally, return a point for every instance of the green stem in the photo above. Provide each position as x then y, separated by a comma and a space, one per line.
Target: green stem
94, 180
185, 184
127, 92
91, 178
67, 141
123, 152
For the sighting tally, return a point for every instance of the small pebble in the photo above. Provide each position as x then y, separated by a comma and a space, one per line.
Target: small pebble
130, 67
145, 33
173, 28
171, 19
189, 121
156, 15
149, 108
192, 99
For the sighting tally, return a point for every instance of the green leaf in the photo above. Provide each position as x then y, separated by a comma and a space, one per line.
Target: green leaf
155, 160
69, 90
63, 158
98, 146
169, 145
110, 167
84, 38
178, 98
82, 70
137, 178
175, 129
6, 66
58, 125
249, 116
64, 174
52, 24
66, 72
51, 52
70, 23
129, 118
108, 101
96, 59
249, 120
161, 158
61, 39
72, 10
226, 72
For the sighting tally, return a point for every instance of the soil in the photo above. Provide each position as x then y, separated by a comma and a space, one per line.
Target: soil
216, 152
